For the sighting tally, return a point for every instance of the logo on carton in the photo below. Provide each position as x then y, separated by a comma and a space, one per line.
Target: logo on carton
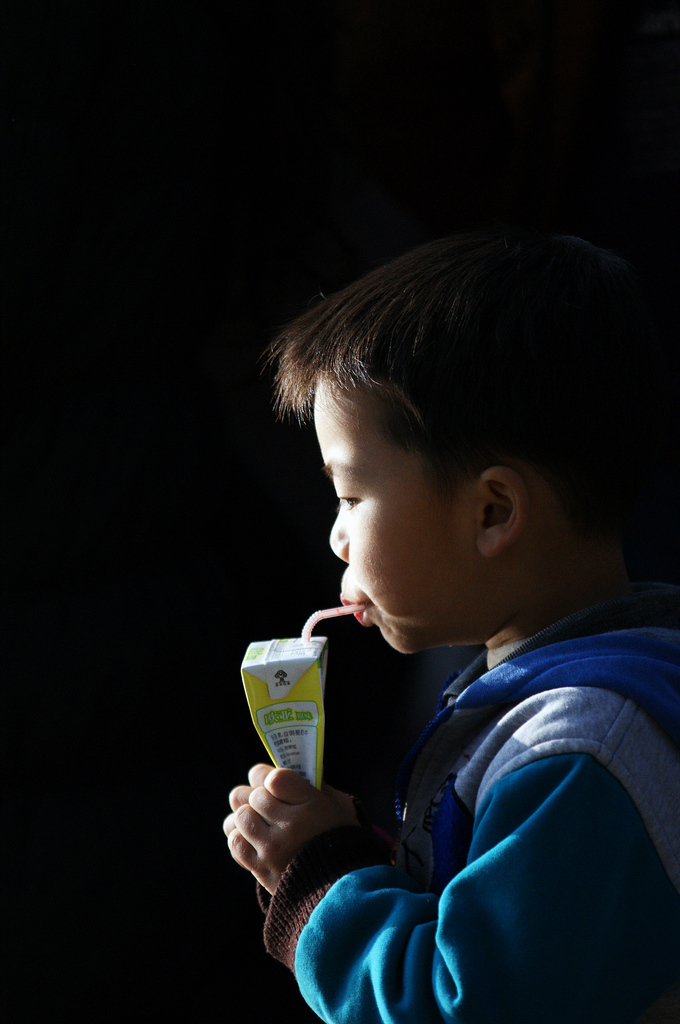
298, 711
287, 715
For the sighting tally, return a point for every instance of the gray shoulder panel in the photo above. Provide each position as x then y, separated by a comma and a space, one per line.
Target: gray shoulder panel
613, 729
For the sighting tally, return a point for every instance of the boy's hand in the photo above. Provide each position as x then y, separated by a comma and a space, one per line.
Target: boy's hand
276, 815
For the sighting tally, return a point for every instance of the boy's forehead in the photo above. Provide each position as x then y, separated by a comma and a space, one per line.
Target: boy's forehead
349, 425
355, 414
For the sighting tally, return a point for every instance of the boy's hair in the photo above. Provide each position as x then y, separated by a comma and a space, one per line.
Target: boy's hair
496, 345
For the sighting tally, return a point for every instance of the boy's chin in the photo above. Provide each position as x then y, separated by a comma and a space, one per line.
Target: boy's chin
402, 640
411, 639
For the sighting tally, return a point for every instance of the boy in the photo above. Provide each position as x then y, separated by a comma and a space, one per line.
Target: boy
487, 408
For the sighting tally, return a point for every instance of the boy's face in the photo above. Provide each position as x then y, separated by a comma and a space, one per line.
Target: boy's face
411, 554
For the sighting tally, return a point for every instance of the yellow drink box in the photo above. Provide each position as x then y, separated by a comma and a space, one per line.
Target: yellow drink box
284, 682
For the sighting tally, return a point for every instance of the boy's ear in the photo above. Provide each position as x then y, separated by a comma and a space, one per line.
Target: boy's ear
504, 506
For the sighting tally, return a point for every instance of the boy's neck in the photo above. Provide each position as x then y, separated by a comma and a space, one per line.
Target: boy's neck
593, 575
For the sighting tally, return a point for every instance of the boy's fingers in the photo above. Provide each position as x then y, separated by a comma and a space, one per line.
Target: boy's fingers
258, 773
229, 824
252, 825
239, 796
256, 776
241, 850
271, 809
288, 786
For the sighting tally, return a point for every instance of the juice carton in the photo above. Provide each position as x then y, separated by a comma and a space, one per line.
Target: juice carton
284, 681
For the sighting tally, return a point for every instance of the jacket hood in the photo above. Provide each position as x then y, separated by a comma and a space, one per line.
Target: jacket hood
643, 664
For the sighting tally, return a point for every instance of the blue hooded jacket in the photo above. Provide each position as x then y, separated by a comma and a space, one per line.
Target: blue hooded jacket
551, 891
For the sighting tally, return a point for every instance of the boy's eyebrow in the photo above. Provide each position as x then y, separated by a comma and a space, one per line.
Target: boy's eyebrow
329, 469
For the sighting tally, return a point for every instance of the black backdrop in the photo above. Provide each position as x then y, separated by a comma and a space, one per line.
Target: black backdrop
179, 179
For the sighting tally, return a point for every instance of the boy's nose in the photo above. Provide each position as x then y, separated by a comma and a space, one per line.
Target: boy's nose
339, 541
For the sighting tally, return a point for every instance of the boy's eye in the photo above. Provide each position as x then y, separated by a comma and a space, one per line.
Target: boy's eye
346, 503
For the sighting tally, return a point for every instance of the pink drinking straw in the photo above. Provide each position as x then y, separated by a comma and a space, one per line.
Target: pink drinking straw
328, 613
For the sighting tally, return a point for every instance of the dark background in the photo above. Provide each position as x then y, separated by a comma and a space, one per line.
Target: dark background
179, 179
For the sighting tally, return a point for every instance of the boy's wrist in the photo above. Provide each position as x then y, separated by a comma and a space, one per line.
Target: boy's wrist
309, 876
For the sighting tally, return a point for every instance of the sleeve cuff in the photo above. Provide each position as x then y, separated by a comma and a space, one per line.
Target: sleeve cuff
309, 876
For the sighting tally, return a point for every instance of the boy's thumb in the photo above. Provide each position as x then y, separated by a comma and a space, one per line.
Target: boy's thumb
288, 786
